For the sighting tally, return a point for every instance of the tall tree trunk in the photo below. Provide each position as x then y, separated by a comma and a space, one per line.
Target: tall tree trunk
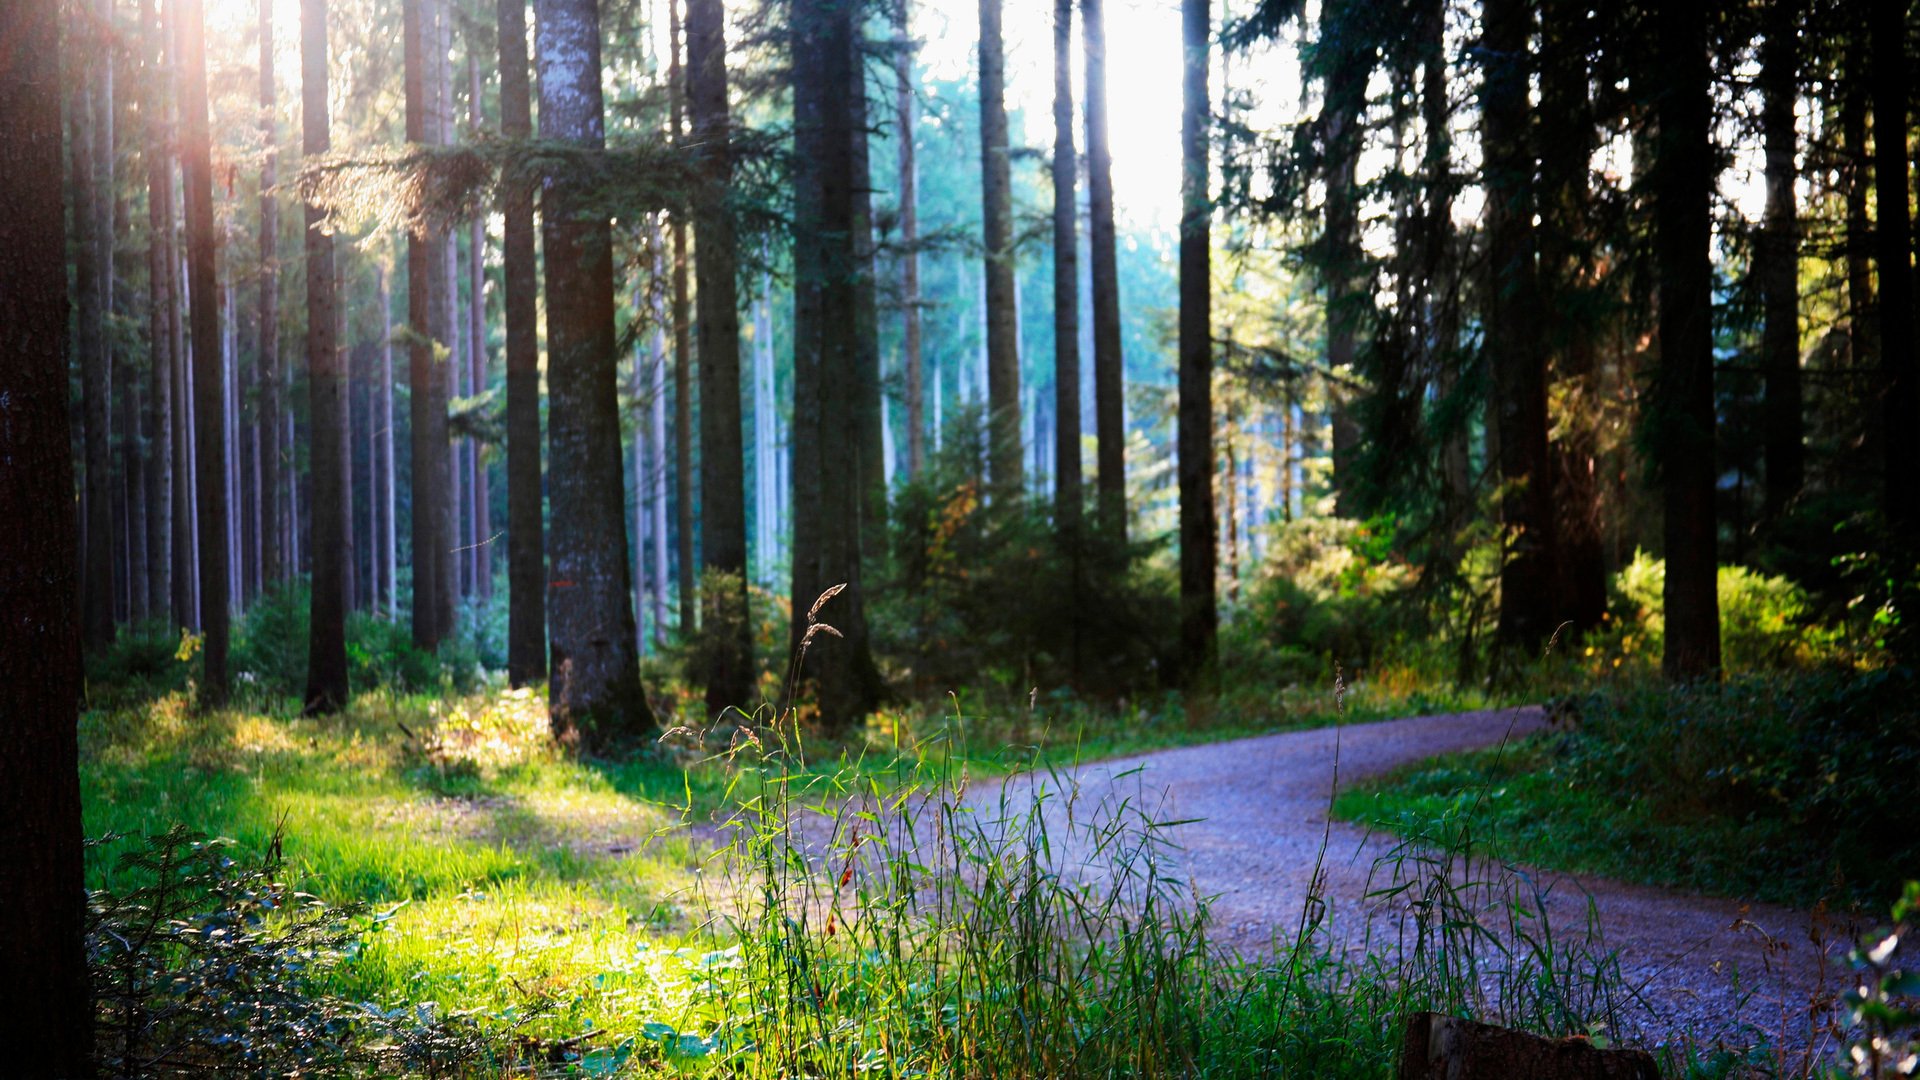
429, 323
1894, 251
1004, 455
1066, 282
595, 690
269, 295
326, 392
1683, 406
909, 210
1341, 257
388, 540
1777, 262
482, 551
90, 345
870, 439
826, 495
526, 535
682, 352
160, 302
1854, 106
1199, 540
723, 509
203, 293
1109, 369
1515, 357
657, 450
46, 1010
1566, 242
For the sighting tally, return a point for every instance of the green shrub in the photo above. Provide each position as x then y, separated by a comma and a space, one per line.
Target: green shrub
1766, 623
1330, 590
1829, 758
269, 659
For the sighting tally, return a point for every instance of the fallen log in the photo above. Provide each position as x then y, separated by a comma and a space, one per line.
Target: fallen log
1440, 1047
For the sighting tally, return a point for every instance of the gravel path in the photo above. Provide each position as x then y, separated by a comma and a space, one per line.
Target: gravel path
1253, 819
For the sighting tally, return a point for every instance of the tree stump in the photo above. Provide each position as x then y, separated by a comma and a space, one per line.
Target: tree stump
1438, 1047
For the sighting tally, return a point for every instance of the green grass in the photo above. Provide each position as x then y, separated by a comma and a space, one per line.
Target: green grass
1521, 804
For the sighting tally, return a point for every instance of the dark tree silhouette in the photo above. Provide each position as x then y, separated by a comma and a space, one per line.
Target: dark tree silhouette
1109, 370
1900, 381
1199, 539
1682, 413
46, 1013
1777, 261
723, 483
327, 390
826, 495
1004, 458
209, 379
1066, 282
1515, 358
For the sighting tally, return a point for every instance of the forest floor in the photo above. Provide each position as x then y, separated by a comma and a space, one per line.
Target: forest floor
1248, 824
503, 870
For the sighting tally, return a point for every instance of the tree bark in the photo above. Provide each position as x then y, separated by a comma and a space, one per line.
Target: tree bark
723, 509
160, 302
1341, 257
478, 545
1777, 261
1683, 406
326, 393
46, 1010
682, 353
526, 535
1566, 267
870, 437
1109, 369
429, 325
1894, 251
209, 394
595, 693
270, 555
1515, 357
910, 351
1004, 457
826, 495
389, 527
1199, 539
1066, 282
1854, 106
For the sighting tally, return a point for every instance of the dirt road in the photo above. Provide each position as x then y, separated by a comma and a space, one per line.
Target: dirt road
1254, 817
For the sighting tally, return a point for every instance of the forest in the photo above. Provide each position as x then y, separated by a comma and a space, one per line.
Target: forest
777, 538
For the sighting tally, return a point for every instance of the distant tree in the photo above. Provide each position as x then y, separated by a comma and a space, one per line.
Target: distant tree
1777, 260
1514, 354
682, 347
1682, 412
1066, 282
826, 496
911, 360
526, 535
1899, 378
1199, 539
1004, 458
160, 306
1567, 267
595, 692
1109, 368
209, 368
269, 301
93, 224
723, 484
326, 390
429, 325
46, 1012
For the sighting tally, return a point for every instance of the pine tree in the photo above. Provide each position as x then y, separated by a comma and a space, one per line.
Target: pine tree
526, 535
1199, 538
326, 389
595, 694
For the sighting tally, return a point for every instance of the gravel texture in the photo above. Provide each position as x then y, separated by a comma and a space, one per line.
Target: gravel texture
1252, 819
